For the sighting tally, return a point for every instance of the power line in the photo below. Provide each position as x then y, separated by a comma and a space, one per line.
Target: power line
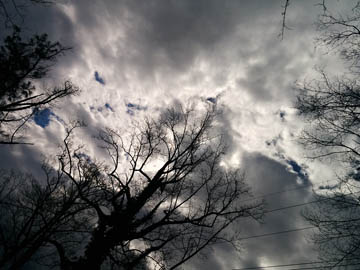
292, 206
302, 204
277, 266
275, 233
277, 192
329, 267
279, 232
299, 264
286, 190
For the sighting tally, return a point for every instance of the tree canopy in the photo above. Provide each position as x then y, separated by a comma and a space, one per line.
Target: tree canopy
22, 64
163, 198
332, 108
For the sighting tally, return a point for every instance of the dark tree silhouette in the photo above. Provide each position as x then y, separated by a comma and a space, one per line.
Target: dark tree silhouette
22, 63
332, 108
13, 11
162, 198
337, 218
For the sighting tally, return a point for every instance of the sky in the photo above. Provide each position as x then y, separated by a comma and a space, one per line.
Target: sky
132, 59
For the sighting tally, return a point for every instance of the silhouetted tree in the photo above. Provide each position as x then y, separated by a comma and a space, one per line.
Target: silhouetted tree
336, 216
35, 214
12, 11
162, 198
332, 108
22, 63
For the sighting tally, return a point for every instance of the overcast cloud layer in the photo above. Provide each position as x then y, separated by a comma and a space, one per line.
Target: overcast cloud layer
134, 58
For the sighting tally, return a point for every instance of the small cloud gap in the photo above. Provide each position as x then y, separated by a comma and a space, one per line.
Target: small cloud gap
282, 115
98, 78
211, 99
354, 174
296, 168
106, 106
274, 141
329, 187
83, 156
42, 117
132, 107
293, 166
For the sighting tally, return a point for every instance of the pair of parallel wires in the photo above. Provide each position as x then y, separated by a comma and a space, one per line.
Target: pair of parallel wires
302, 265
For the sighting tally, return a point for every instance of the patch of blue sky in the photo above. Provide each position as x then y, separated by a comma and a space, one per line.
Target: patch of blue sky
98, 78
136, 106
107, 106
130, 112
282, 115
101, 108
81, 155
42, 117
132, 107
211, 99
298, 170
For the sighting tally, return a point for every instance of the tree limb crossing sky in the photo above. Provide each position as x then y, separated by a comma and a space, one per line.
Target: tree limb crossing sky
132, 58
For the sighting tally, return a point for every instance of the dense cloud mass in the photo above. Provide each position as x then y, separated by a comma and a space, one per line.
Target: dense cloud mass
131, 59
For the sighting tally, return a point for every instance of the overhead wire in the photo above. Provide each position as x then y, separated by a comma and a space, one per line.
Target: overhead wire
286, 190
289, 231
279, 232
306, 264
301, 204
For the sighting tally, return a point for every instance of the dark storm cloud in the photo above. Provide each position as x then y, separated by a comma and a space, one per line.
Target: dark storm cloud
166, 35
27, 158
163, 40
266, 176
179, 29
176, 34
272, 76
168, 38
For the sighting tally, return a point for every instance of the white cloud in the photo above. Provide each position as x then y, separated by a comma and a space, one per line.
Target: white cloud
152, 53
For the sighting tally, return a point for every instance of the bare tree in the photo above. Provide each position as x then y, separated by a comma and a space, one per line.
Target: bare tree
284, 25
332, 105
332, 108
337, 218
22, 63
35, 215
163, 199
341, 32
12, 11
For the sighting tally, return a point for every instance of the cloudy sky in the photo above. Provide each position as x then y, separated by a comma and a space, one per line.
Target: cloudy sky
134, 58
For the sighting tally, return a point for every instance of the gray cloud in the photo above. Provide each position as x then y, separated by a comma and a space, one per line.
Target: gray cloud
152, 52
266, 175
